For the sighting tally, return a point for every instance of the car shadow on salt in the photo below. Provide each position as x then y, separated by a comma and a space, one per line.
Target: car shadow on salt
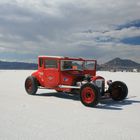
103, 104
61, 95
116, 105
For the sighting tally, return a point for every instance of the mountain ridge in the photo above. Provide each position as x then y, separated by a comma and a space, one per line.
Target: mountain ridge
120, 64
115, 64
17, 65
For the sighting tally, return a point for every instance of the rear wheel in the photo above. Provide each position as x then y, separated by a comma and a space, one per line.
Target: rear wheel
118, 91
31, 85
89, 95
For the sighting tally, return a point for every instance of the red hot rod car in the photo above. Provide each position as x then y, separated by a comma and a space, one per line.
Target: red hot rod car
74, 75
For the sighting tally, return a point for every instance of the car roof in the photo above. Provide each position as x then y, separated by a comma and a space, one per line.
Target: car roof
60, 57
48, 56
63, 57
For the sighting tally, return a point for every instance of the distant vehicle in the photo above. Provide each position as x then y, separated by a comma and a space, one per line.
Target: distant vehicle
74, 75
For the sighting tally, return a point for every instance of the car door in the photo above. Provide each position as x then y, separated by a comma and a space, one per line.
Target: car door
51, 73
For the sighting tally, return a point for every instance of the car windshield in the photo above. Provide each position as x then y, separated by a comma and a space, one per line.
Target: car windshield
72, 65
89, 65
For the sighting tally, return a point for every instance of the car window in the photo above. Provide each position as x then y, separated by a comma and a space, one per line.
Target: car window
71, 65
89, 65
40, 62
51, 64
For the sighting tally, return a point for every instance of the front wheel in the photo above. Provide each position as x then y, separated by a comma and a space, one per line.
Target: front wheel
89, 95
118, 91
31, 85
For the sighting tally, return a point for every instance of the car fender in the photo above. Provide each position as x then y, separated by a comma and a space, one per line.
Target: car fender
39, 76
94, 78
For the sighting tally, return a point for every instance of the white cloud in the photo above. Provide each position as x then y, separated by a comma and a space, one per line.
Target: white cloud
124, 33
56, 27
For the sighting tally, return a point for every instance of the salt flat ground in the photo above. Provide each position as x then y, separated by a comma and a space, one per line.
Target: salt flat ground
58, 116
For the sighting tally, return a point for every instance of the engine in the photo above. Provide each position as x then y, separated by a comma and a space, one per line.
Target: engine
97, 80
100, 83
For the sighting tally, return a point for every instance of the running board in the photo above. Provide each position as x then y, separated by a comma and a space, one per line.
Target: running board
65, 86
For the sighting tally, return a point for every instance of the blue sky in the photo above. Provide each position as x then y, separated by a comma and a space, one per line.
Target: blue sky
102, 29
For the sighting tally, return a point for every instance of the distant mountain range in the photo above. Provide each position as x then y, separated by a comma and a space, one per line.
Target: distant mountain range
17, 65
120, 64
115, 64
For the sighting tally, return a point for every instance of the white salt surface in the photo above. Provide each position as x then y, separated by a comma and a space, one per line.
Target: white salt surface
58, 116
